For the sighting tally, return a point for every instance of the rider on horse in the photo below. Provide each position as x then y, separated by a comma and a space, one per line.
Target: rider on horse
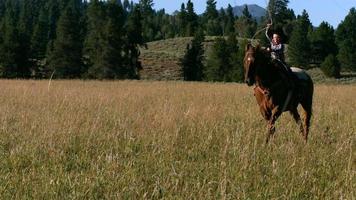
277, 53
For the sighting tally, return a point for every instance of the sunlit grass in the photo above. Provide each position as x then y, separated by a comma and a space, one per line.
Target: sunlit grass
172, 140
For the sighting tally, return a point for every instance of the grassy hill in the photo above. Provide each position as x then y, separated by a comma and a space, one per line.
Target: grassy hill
160, 61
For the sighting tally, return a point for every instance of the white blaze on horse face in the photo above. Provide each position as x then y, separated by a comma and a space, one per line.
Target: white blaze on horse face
249, 59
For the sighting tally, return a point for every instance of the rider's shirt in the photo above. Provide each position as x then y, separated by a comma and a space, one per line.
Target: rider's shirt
277, 51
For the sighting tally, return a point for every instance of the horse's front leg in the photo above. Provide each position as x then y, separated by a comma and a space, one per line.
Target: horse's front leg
276, 112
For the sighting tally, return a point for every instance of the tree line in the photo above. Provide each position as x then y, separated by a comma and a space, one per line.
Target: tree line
101, 39
70, 39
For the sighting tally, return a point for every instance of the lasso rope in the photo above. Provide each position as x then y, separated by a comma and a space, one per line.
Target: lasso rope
265, 28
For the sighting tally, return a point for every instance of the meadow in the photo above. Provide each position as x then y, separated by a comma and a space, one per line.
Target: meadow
169, 140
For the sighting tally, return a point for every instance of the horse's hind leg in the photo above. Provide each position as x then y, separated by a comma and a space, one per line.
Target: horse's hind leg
276, 112
297, 119
307, 118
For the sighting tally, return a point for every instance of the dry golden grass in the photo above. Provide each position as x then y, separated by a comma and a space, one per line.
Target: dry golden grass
171, 140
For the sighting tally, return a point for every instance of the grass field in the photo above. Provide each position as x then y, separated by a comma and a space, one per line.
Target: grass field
169, 140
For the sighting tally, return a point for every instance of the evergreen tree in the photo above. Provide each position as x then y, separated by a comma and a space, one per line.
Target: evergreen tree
95, 41
346, 40
322, 41
192, 19
283, 18
182, 20
66, 57
53, 16
134, 39
192, 62
111, 65
147, 19
10, 42
40, 38
236, 72
299, 45
245, 25
211, 22
229, 26
331, 66
217, 66
29, 11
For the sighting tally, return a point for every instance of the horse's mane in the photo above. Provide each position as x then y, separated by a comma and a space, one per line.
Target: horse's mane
266, 69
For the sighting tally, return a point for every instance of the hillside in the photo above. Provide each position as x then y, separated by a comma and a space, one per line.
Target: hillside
160, 61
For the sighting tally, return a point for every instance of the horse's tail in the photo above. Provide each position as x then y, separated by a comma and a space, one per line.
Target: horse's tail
307, 104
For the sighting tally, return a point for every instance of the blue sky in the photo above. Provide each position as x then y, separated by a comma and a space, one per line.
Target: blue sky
332, 11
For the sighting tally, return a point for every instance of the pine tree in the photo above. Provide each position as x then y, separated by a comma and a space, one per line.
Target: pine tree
134, 39
192, 19
40, 38
322, 41
94, 41
346, 40
236, 71
229, 26
111, 65
217, 65
147, 19
192, 62
282, 17
10, 42
66, 57
182, 21
331, 66
25, 26
245, 25
212, 25
53, 17
299, 45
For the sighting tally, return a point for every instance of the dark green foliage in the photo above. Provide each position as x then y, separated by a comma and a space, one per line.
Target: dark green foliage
192, 62
148, 25
299, 45
245, 25
331, 66
192, 19
40, 37
224, 62
94, 42
322, 41
101, 39
211, 19
187, 20
134, 39
282, 18
10, 42
66, 57
182, 20
229, 21
346, 40
107, 60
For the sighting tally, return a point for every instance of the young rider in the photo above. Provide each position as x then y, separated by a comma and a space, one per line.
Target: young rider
277, 53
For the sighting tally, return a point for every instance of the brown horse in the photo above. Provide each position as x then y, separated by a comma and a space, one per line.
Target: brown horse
271, 92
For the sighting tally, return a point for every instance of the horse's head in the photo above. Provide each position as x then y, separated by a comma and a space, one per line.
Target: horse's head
249, 64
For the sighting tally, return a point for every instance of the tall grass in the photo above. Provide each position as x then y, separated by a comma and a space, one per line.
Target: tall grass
170, 140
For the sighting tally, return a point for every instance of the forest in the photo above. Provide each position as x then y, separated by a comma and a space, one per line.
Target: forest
97, 39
